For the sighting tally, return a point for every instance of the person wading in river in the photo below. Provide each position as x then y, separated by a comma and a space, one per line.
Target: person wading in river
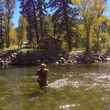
42, 73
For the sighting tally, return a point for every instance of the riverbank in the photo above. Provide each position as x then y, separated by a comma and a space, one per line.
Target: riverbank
35, 57
29, 56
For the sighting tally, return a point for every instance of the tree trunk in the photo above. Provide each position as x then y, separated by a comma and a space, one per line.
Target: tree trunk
68, 32
1, 33
8, 33
41, 20
88, 41
35, 22
98, 41
41, 27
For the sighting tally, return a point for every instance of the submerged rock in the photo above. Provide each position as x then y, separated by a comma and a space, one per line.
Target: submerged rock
59, 83
66, 107
64, 82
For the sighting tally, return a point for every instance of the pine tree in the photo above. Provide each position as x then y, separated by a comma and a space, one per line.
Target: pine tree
35, 12
63, 18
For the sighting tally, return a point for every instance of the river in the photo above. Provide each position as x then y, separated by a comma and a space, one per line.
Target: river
71, 87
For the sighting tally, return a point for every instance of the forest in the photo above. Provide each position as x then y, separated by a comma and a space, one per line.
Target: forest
65, 26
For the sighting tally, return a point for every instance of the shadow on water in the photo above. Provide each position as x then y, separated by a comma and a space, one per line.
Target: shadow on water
37, 93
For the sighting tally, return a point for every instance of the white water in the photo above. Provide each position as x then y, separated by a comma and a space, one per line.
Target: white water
96, 79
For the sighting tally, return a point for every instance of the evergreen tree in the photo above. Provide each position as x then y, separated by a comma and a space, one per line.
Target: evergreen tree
64, 16
35, 12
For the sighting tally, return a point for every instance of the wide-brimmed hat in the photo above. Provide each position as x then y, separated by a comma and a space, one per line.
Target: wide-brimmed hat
43, 65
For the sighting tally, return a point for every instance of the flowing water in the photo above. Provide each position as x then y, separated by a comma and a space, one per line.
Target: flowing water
71, 87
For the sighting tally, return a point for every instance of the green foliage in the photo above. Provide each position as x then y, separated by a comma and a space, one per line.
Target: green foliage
87, 32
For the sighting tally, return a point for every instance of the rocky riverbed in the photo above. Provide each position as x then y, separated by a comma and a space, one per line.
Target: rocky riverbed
37, 57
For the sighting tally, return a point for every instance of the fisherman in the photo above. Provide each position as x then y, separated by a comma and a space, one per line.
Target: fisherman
42, 73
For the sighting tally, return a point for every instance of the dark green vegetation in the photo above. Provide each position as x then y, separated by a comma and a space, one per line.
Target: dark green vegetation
89, 89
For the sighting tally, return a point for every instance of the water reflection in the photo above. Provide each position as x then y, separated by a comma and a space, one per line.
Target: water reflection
68, 106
